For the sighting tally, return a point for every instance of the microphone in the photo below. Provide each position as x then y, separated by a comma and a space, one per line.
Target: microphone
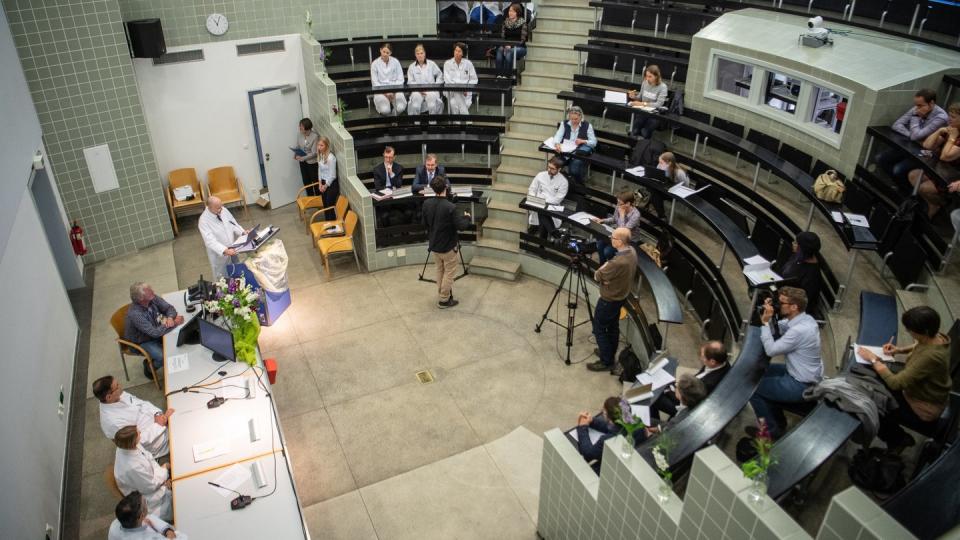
239, 502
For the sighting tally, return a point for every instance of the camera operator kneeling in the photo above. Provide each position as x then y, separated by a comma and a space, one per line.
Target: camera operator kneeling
615, 278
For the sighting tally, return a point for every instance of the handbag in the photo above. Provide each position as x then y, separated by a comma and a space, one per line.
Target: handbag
829, 187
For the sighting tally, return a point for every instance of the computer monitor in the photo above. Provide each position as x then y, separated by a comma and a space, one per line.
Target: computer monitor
217, 339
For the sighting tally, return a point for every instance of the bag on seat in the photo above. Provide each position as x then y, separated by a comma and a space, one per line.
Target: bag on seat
647, 152
875, 469
629, 365
829, 187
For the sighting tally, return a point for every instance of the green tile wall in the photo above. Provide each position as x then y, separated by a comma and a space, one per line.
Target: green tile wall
184, 20
75, 58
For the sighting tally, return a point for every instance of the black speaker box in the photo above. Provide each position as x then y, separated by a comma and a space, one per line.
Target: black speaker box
145, 37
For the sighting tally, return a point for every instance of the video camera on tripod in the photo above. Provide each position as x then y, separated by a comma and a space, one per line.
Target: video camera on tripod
573, 244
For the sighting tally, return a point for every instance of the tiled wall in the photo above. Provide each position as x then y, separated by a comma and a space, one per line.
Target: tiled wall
623, 502
74, 55
184, 20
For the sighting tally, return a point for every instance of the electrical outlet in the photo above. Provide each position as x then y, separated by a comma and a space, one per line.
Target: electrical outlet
390, 253
401, 253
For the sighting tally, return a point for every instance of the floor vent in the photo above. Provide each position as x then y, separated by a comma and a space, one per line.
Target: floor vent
425, 377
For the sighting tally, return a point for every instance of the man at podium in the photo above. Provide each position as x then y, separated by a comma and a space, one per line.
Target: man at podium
220, 231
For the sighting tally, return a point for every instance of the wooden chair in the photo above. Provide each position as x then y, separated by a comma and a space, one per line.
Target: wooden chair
317, 229
305, 202
118, 322
222, 182
111, 481
339, 244
178, 178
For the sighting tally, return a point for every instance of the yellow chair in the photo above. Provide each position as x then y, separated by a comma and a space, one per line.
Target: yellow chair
318, 229
178, 178
222, 182
118, 321
305, 202
339, 244
111, 481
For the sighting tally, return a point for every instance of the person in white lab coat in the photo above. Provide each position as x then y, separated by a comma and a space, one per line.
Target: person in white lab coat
219, 230
550, 186
119, 409
423, 71
387, 71
134, 522
135, 469
459, 70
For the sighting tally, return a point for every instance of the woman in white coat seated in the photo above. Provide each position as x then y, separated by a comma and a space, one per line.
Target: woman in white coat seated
387, 71
135, 469
134, 522
459, 70
423, 71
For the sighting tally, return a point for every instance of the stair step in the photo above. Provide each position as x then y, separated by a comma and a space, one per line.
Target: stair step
505, 207
529, 122
558, 23
501, 245
522, 136
541, 36
512, 188
520, 171
494, 223
508, 269
537, 52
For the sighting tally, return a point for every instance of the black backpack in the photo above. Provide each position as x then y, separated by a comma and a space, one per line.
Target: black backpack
875, 469
647, 152
630, 365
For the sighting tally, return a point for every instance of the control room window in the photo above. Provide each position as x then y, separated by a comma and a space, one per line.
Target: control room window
782, 92
734, 77
829, 108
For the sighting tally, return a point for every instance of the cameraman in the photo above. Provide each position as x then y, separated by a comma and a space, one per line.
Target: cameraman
615, 278
799, 342
443, 221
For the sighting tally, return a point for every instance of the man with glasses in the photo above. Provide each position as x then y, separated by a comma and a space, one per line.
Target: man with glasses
551, 186
799, 343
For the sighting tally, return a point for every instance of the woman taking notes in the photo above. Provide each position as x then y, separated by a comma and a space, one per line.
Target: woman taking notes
652, 94
624, 215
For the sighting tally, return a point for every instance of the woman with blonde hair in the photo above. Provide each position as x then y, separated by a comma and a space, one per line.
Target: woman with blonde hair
423, 71
327, 172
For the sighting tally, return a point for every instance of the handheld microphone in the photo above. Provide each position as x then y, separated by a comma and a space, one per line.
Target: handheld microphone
240, 501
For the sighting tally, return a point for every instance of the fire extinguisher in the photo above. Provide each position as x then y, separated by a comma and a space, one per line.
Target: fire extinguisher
76, 238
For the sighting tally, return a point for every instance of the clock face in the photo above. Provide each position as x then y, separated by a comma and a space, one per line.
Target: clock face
217, 24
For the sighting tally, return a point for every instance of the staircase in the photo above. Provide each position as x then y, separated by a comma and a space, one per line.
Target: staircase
550, 65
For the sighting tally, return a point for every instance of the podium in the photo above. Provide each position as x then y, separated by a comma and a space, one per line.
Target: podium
274, 303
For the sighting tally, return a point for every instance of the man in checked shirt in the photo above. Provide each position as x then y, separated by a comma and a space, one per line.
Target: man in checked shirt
148, 319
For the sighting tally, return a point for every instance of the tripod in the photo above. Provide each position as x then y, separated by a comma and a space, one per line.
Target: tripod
427, 260
574, 283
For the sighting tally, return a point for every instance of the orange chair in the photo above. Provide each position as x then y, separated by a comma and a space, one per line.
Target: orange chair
317, 229
339, 244
222, 182
305, 202
118, 321
178, 178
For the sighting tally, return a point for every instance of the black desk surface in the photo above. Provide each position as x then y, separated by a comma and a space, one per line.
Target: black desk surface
418, 199
414, 41
629, 51
705, 421
668, 305
497, 86
941, 173
367, 142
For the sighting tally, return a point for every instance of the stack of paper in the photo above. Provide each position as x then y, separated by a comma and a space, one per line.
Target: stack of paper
681, 191
536, 201
183, 193
463, 190
858, 220
385, 193
400, 193
636, 171
583, 218
620, 98
641, 411
875, 350
759, 272
656, 376
566, 147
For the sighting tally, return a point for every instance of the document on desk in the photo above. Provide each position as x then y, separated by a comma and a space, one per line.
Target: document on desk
756, 259
760, 273
231, 479
610, 96
858, 220
583, 218
566, 147
643, 412
639, 392
656, 376
210, 449
681, 191
636, 171
594, 435
875, 350
177, 362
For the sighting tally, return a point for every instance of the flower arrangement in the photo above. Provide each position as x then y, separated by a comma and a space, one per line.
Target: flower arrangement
626, 420
756, 469
324, 55
339, 109
237, 304
661, 453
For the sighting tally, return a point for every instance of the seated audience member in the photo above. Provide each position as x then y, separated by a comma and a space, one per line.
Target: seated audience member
625, 215
551, 186
578, 130
386, 71
605, 423
803, 267
918, 123
423, 71
149, 317
459, 70
688, 392
135, 469
713, 357
134, 522
667, 163
426, 172
388, 175
119, 409
799, 342
945, 146
327, 173
452, 12
514, 28
922, 388
652, 94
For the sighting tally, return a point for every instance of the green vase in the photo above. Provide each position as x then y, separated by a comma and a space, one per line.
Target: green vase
245, 335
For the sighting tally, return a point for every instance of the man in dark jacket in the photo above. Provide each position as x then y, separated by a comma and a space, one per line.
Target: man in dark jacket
443, 220
427, 172
388, 174
713, 357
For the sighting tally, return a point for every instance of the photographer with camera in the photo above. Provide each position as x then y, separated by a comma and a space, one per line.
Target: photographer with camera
799, 342
551, 186
615, 278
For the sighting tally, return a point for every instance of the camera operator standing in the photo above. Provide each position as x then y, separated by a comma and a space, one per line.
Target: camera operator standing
616, 278
443, 221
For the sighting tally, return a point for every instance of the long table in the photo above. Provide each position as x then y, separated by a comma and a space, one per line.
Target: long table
201, 510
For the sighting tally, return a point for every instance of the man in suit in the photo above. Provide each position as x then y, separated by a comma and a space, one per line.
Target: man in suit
689, 391
713, 356
388, 174
426, 172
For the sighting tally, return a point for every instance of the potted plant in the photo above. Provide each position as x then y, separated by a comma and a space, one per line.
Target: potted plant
236, 302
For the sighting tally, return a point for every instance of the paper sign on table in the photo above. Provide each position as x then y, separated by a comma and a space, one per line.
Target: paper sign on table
210, 449
610, 96
232, 478
177, 362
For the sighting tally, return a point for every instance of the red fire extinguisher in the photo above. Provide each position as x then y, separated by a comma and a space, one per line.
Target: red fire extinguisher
76, 238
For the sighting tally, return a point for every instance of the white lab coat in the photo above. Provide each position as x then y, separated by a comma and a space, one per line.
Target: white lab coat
133, 411
553, 190
425, 74
152, 531
137, 470
218, 235
389, 74
463, 73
